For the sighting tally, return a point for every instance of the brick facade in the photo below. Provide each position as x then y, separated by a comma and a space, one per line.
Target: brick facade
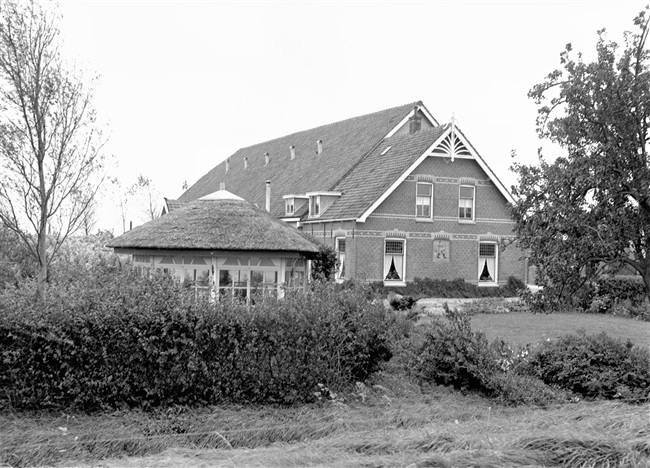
441, 247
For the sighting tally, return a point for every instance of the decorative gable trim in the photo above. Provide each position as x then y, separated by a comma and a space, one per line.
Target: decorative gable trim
452, 147
473, 154
477, 157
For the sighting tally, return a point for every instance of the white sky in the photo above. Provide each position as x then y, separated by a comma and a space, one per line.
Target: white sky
185, 84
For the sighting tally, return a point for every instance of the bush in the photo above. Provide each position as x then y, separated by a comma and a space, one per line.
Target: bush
457, 288
601, 296
117, 339
452, 354
493, 305
594, 366
401, 302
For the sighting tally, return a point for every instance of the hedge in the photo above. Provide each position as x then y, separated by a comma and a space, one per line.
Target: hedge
119, 340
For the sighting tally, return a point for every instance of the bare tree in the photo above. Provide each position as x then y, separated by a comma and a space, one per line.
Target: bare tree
146, 198
49, 144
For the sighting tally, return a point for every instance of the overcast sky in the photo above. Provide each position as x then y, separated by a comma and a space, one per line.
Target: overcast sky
183, 85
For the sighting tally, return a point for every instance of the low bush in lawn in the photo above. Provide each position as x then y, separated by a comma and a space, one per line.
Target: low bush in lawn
594, 366
118, 340
458, 288
452, 354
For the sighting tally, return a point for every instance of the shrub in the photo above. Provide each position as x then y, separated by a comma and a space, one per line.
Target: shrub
457, 288
117, 339
452, 354
600, 296
401, 302
594, 366
493, 305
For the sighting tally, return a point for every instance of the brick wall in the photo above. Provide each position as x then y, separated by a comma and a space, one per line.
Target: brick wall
396, 217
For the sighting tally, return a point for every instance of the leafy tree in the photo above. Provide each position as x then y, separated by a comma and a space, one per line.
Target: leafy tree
589, 211
49, 143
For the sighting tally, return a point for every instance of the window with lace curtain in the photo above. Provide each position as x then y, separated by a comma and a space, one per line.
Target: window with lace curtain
487, 264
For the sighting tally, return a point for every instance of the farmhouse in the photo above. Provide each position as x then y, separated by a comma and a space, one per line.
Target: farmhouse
223, 243
397, 194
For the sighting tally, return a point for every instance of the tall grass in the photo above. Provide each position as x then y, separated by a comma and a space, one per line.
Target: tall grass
390, 424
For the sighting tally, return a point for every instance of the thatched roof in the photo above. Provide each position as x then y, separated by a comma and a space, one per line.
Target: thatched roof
219, 221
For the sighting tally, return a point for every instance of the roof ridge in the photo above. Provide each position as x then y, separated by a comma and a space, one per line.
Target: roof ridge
365, 156
328, 125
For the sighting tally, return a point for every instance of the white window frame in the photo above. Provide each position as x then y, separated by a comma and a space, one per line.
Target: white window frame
481, 264
391, 282
417, 200
341, 258
464, 219
314, 201
289, 202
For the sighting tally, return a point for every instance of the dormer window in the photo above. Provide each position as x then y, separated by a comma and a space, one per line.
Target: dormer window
319, 202
314, 205
288, 206
293, 203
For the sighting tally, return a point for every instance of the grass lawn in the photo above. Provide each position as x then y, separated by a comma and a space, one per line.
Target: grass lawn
523, 328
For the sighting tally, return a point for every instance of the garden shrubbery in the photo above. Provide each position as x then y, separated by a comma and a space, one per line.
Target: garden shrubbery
624, 296
458, 288
589, 366
115, 339
593, 366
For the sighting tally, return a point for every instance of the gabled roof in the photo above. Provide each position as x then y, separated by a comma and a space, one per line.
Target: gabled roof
345, 143
364, 158
219, 221
370, 179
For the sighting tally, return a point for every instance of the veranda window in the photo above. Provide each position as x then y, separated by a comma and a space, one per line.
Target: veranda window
294, 275
340, 252
394, 260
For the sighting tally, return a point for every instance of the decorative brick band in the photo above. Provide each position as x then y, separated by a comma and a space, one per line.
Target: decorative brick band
395, 234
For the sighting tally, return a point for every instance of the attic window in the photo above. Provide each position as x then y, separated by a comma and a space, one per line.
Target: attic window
288, 206
385, 151
314, 205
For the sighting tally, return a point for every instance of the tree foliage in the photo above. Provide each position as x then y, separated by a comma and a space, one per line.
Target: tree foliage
49, 143
589, 211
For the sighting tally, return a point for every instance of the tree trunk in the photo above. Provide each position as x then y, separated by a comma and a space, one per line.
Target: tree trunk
646, 279
42, 263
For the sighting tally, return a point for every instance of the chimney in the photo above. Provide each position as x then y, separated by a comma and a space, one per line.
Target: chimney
266, 159
292, 148
222, 186
414, 122
245, 163
268, 196
320, 146
227, 164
